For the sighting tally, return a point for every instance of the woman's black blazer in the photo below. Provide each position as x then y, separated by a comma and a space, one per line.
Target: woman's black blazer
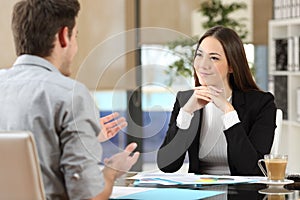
247, 141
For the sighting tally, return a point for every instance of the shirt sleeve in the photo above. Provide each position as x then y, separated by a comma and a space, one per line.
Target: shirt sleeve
81, 151
230, 119
184, 119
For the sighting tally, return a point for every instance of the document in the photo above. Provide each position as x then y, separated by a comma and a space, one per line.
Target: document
160, 193
191, 179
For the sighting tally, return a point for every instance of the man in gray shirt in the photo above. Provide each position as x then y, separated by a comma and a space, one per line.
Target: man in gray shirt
37, 96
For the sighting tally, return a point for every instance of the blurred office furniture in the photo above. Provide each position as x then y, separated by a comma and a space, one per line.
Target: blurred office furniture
277, 134
19, 169
284, 80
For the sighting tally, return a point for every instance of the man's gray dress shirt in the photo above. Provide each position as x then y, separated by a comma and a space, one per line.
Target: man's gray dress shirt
60, 112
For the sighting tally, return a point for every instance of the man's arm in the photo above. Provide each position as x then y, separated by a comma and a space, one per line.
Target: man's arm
110, 126
116, 166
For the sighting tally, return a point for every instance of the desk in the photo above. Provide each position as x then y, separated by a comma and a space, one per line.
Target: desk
248, 192
241, 191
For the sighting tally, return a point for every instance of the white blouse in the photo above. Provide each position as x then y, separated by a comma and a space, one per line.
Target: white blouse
213, 144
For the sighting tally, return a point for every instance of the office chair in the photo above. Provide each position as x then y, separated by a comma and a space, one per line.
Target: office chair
277, 134
19, 168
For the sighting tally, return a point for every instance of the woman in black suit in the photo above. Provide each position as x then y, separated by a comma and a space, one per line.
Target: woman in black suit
226, 123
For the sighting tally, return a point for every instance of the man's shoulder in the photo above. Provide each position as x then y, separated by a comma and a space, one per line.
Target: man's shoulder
67, 82
2, 71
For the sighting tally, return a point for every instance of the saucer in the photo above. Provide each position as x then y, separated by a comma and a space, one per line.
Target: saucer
275, 191
270, 182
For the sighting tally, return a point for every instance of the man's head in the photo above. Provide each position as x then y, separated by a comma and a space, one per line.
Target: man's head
36, 25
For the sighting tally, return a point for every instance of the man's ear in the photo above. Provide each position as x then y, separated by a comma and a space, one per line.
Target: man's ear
63, 36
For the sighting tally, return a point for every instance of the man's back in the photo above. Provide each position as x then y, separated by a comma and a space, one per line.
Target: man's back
36, 97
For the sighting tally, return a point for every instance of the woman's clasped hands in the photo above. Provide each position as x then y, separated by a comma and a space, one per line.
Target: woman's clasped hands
205, 94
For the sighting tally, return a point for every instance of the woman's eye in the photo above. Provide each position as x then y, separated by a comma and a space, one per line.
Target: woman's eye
214, 58
199, 54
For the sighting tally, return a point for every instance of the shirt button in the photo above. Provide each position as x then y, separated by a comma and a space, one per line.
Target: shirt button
76, 176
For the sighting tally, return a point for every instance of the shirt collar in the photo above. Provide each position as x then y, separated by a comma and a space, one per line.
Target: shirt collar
36, 61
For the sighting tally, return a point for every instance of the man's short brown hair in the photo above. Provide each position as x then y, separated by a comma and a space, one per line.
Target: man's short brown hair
36, 22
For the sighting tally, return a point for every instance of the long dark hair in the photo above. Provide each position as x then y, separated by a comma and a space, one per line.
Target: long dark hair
241, 78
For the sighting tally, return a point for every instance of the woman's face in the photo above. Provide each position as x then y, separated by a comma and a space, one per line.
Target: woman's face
211, 63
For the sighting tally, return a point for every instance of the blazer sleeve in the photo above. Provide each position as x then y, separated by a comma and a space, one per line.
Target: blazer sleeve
252, 138
171, 154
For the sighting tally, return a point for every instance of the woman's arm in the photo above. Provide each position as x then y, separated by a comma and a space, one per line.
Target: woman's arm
172, 152
250, 139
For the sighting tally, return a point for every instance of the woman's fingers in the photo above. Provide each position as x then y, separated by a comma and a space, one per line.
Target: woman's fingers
203, 97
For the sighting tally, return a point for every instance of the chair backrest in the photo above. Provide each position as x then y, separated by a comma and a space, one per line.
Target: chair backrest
277, 134
20, 174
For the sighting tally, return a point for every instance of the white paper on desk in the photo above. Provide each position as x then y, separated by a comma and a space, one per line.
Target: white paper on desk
194, 179
214, 179
157, 178
155, 181
159, 175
